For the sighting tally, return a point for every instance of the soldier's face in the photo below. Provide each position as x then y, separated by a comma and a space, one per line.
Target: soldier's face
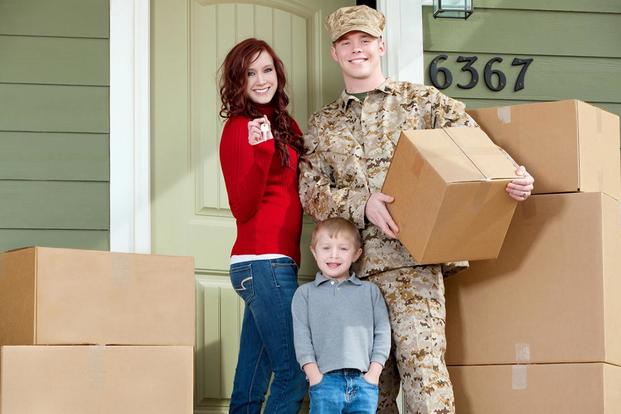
334, 255
261, 78
358, 54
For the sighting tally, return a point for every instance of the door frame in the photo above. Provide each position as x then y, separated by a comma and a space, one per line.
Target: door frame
130, 152
130, 123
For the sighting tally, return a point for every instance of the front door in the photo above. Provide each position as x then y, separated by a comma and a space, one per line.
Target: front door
190, 213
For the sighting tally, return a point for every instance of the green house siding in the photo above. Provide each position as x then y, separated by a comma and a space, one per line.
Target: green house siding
54, 123
575, 44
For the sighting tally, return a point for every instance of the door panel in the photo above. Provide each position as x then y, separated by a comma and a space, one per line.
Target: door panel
190, 39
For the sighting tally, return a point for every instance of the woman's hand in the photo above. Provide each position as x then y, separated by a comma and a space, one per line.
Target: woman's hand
259, 130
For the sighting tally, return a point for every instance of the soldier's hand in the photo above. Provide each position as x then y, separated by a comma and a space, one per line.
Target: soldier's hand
378, 214
521, 188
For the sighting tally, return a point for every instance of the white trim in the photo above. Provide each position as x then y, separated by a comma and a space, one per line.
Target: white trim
130, 210
404, 39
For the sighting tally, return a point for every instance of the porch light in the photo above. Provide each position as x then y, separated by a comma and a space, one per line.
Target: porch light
452, 9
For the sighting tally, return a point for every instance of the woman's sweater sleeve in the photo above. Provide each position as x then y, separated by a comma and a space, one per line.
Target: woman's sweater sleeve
245, 168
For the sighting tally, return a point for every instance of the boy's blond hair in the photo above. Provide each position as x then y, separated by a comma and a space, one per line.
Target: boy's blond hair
335, 226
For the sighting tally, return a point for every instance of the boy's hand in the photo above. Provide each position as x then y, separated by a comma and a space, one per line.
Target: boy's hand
315, 379
373, 374
312, 373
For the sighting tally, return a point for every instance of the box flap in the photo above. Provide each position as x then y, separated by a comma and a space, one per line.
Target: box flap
493, 162
444, 155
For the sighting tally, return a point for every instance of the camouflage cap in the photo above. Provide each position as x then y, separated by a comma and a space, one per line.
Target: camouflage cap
347, 19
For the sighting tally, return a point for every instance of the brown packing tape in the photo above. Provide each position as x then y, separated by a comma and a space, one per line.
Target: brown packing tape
504, 114
522, 353
97, 366
122, 266
519, 377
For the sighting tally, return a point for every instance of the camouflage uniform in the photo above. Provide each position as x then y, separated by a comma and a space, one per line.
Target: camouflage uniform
349, 146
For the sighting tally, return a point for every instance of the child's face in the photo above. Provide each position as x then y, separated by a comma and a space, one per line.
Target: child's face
334, 255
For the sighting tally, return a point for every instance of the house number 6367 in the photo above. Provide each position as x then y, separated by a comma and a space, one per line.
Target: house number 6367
495, 79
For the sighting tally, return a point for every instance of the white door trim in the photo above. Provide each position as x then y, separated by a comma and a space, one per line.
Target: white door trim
404, 39
130, 204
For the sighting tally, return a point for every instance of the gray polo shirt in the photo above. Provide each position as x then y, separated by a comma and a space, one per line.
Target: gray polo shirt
340, 325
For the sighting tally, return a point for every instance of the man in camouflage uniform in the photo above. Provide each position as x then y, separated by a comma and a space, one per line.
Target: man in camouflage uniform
349, 145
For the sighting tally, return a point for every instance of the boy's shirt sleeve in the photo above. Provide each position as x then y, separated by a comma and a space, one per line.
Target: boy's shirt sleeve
302, 340
381, 327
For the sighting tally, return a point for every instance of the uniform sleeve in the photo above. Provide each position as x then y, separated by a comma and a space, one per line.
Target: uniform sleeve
448, 112
381, 328
302, 341
319, 195
245, 168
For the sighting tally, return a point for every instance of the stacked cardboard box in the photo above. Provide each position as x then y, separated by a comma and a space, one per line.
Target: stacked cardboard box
538, 329
90, 332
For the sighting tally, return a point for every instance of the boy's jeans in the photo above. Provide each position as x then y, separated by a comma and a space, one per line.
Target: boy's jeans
266, 343
343, 391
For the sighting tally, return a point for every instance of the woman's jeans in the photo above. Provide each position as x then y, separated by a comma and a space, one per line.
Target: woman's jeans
343, 391
266, 343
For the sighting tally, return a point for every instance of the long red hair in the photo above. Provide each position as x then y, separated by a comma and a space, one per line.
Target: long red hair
235, 101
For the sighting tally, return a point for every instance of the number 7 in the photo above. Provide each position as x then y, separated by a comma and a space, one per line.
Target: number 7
519, 82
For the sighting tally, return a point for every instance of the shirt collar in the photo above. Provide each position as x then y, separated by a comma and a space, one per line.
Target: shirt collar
320, 279
387, 87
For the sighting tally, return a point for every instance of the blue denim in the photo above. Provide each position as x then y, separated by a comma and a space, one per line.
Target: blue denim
266, 344
343, 391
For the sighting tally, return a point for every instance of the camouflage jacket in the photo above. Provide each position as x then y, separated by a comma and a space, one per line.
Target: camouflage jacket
348, 148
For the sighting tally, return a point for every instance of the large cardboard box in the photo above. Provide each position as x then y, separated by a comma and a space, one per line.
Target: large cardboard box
449, 188
65, 296
567, 145
537, 389
552, 295
96, 379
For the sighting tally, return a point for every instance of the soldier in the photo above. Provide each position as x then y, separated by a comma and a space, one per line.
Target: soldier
348, 149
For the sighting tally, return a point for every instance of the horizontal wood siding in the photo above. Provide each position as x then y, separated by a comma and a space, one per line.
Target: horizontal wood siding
575, 44
54, 123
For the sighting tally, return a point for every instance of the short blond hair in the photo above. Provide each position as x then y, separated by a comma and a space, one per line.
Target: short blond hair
335, 226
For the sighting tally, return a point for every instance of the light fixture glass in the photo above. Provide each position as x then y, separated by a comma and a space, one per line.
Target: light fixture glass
452, 9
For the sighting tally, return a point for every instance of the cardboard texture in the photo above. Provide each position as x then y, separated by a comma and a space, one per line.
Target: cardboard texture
537, 389
552, 295
65, 296
96, 379
450, 200
567, 146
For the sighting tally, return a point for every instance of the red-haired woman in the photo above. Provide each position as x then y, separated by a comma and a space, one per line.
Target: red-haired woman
259, 156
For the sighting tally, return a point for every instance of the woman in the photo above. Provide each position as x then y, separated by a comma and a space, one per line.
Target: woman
259, 156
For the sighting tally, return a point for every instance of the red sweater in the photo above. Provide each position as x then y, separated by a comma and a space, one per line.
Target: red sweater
263, 195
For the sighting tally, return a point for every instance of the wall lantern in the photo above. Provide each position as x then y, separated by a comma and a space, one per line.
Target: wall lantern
452, 9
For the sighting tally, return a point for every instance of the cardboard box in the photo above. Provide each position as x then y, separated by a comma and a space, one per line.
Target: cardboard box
96, 379
567, 145
537, 389
449, 188
552, 295
64, 296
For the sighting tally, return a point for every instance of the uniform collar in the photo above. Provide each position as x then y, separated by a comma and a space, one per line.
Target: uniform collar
387, 87
320, 279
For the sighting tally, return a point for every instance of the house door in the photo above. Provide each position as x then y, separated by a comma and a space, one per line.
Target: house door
190, 213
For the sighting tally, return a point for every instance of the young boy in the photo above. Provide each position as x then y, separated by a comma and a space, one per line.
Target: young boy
340, 325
